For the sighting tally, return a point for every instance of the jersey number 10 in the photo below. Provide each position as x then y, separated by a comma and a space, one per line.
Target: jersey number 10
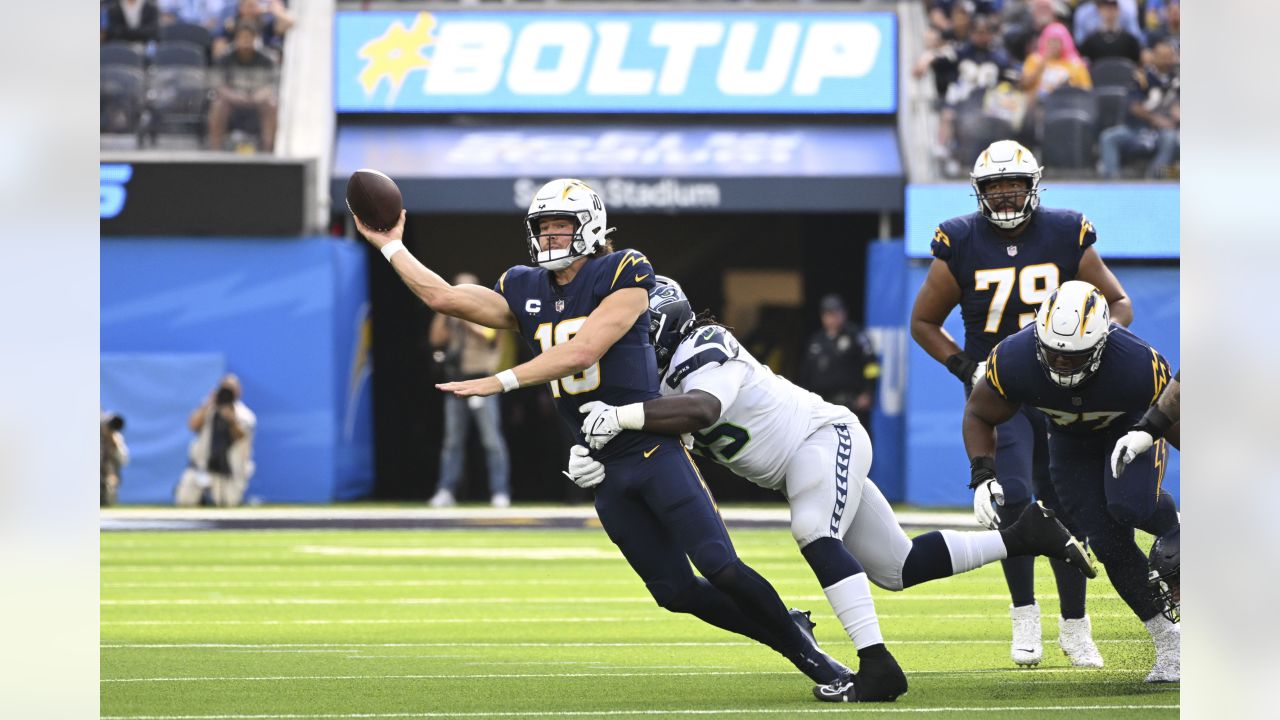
551, 334
1035, 284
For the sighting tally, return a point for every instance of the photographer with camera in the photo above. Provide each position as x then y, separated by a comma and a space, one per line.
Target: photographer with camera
220, 458
465, 351
114, 455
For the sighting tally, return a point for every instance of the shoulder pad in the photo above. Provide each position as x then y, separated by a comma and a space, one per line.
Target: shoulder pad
705, 346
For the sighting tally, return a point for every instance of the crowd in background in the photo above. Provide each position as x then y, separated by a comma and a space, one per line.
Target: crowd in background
203, 70
1090, 85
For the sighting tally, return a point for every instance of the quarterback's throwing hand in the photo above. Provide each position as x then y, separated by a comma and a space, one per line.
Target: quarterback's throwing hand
1133, 444
986, 497
480, 387
585, 471
600, 425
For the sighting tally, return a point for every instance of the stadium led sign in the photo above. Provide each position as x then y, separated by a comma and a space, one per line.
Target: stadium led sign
660, 62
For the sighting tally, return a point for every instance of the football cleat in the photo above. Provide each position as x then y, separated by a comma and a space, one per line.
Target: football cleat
803, 621
1167, 637
442, 499
1075, 637
1038, 532
1027, 648
880, 680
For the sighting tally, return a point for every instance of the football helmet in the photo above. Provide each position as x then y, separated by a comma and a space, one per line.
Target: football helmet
570, 198
1071, 331
1163, 579
1006, 159
670, 317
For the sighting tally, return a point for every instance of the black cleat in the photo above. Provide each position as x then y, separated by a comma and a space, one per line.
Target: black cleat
1038, 532
878, 681
815, 662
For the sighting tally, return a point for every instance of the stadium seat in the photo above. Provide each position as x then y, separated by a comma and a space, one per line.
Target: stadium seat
187, 32
975, 132
120, 54
178, 53
121, 90
1113, 72
1080, 102
178, 98
1068, 139
1113, 106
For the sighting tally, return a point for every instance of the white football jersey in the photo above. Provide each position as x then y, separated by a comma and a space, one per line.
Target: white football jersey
763, 417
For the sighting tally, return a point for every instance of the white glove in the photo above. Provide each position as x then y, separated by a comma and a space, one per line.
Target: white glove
584, 470
985, 499
1133, 444
600, 425
980, 373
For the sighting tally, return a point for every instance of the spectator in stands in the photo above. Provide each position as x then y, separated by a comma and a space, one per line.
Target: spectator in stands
1024, 20
465, 351
839, 362
1111, 39
114, 455
1054, 64
220, 458
247, 83
979, 65
1088, 19
1151, 127
132, 21
270, 17
1170, 26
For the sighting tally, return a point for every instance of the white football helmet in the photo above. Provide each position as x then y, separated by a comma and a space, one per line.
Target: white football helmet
1071, 331
572, 198
1005, 159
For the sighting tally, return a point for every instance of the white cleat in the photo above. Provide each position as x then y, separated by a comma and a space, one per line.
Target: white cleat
442, 499
1167, 637
500, 500
1027, 648
1075, 637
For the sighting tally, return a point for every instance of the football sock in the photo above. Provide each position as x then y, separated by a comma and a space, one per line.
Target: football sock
1071, 588
760, 603
851, 600
944, 553
830, 560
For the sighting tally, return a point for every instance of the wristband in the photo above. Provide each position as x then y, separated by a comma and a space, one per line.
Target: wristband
981, 469
631, 417
508, 380
1155, 423
392, 248
962, 366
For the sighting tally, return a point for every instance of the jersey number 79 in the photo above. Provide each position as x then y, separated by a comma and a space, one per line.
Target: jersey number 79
1035, 284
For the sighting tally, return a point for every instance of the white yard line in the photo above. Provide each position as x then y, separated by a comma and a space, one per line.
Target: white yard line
153, 646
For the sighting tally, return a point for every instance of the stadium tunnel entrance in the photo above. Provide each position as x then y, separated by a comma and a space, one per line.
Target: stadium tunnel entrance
763, 274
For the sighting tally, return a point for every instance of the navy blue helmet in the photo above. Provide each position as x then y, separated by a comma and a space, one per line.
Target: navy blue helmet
670, 316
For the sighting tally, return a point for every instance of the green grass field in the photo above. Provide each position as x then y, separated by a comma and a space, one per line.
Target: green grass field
543, 624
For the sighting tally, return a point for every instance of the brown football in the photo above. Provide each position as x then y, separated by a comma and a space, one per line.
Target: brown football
374, 198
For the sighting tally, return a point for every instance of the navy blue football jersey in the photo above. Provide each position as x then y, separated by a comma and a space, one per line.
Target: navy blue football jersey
1130, 377
551, 314
1002, 281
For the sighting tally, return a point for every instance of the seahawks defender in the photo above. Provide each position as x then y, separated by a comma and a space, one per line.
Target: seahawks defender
998, 264
1163, 579
1092, 380
817, 454
584, 312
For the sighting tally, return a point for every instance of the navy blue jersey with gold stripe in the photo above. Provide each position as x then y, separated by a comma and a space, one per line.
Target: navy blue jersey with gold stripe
1003, 281
1130, 377
549, 314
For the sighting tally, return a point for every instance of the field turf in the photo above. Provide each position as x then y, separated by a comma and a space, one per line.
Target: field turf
544, 624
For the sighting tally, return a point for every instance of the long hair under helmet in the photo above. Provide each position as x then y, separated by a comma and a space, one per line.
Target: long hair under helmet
1071, 331
1006, 159
571, 199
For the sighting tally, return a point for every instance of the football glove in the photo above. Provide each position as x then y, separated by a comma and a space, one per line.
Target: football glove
987, 492
1133, 444
585, 471
600, 425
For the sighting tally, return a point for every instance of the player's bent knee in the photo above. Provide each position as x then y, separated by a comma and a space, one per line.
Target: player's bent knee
893, 583
711, 558
671, 598
1128, 515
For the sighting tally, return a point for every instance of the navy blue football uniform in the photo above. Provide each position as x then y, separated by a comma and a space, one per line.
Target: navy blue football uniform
551, 314
1002, 281
1084, 424
653, 503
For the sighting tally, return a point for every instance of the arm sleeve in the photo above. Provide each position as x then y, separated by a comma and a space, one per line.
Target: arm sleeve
940, 246
1088, 235
723, 380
